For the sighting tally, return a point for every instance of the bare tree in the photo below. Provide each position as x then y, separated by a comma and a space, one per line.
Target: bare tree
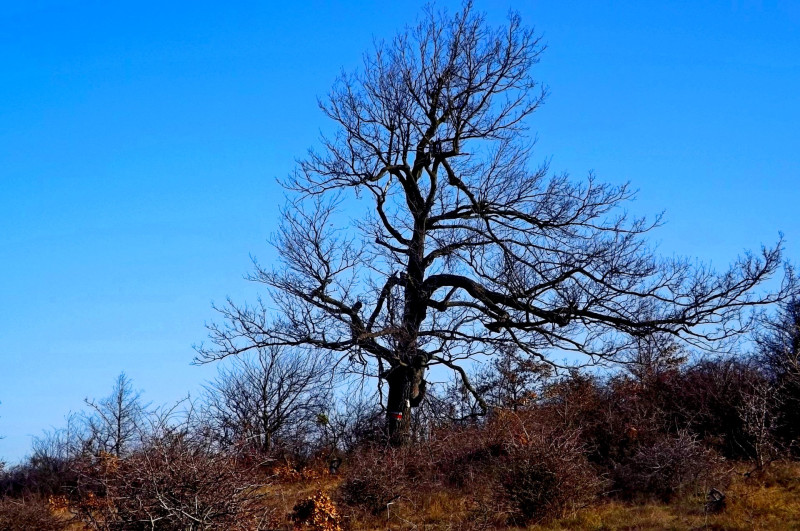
653, 356
779, 343
464, 248
757, 413
778, 350
512, 380
273, 394
515, 381
354, 420
114, 422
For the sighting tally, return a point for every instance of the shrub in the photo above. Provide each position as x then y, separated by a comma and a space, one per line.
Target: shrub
531, 487
29, 514
38, 477
375, 477
172, 483
521, 463
666, 467
709, 400
545, 473
317, 513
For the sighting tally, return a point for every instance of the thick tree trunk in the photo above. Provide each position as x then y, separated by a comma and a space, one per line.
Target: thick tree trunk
406, 390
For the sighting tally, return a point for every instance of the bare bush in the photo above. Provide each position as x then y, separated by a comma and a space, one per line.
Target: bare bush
655, 436
729, 405
48, 470
174, 484
779, 354
545, 473
667, 467
517, 462
354, 421
374, 478
758, 411
178, 479
28, 515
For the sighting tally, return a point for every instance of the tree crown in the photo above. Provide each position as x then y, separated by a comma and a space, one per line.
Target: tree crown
467, 247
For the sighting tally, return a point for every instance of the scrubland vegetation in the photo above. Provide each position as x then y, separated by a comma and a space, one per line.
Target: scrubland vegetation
665, 442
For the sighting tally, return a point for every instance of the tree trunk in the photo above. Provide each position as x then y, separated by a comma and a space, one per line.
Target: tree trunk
406, 390
267, 444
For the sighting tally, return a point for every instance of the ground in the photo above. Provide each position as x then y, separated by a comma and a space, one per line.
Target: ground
756, 501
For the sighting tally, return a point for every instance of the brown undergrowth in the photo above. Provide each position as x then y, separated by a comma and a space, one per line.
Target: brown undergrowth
767, 499
312, 500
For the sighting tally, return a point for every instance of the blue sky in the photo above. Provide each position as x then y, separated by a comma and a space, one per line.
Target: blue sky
140, 142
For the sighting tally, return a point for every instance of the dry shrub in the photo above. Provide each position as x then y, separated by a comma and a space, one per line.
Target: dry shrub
173, 483
375, 477
317, 513
465, 458
516, 463
288, 471
28, 515
39, 477
544, 473
524, 462
531, 488
652, 438
666, 467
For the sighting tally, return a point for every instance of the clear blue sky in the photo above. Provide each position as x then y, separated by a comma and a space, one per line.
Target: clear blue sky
140, 142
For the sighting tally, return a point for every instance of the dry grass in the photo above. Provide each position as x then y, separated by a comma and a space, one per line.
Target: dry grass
769, 500
763, 501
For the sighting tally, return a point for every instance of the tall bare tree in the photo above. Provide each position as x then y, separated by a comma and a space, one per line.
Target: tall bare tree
115, 422
464, 247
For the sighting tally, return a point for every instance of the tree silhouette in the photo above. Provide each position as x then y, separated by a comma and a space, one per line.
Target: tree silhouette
460, 247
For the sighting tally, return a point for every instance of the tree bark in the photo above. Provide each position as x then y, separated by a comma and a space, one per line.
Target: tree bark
406, 390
